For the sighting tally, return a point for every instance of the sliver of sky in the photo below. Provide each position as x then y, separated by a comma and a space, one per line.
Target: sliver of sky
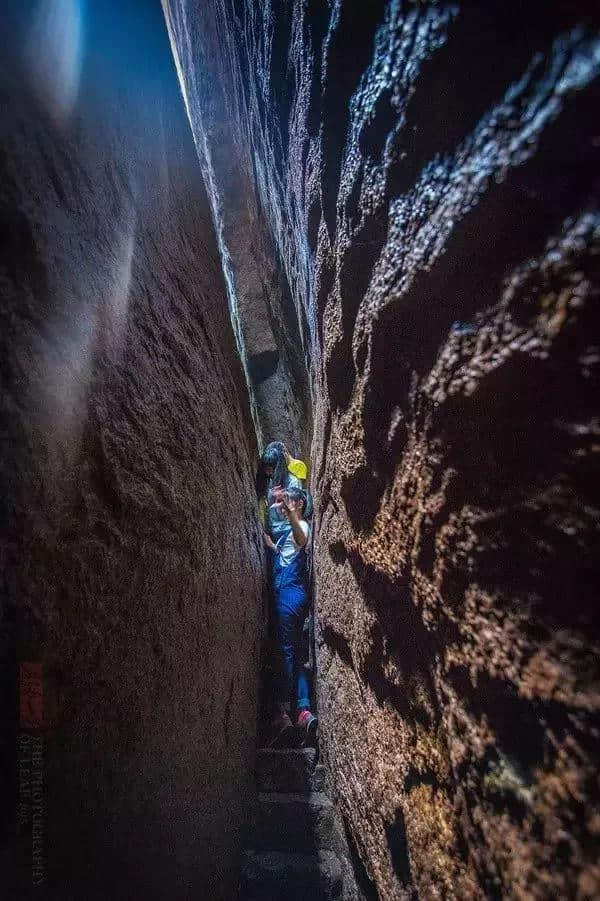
54, 53
72, 47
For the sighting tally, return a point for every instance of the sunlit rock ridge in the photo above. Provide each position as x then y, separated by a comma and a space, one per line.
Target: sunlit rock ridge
417, 185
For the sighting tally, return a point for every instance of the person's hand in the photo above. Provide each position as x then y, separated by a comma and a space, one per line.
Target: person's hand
284, 507
280, 503
269, 541
277, 492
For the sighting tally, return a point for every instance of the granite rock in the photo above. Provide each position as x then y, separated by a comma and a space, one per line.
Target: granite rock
428, 174
131, 557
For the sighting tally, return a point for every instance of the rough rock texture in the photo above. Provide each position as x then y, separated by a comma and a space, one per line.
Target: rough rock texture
429, 174
270, 329
136, 579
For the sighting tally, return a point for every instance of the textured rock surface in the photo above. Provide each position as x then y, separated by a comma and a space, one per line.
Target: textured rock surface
429, 173
270, 329
291, 877
136, 578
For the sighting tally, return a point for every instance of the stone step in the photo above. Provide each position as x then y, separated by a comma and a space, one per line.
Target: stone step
288, 771
318, 778
292, 822
281, 876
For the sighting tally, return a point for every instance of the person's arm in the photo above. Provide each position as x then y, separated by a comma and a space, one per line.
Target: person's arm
297, 468
269, 541
300, 536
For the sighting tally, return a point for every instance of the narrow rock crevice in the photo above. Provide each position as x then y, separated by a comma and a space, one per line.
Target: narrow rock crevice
428, 179
370, 230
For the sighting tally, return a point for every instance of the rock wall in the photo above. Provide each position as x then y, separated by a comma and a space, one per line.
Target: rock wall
429, 176
270, 329
131, 559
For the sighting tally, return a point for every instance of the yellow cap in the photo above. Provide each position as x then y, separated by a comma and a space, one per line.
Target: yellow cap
297, 468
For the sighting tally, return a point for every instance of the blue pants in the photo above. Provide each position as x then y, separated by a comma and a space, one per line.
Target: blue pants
291, 607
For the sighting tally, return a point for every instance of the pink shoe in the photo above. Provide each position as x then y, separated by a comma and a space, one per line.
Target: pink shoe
307, 722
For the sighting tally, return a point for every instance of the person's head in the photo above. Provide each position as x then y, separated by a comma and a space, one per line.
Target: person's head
296, 498
271, 458
272, 466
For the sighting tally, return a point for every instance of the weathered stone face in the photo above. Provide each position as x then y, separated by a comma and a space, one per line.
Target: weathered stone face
271, 329
130, 549
429, 174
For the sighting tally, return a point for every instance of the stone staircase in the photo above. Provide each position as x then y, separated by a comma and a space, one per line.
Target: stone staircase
293, 835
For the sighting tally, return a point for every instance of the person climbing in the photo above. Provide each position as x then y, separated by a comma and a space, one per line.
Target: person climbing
290, 582
277, 470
